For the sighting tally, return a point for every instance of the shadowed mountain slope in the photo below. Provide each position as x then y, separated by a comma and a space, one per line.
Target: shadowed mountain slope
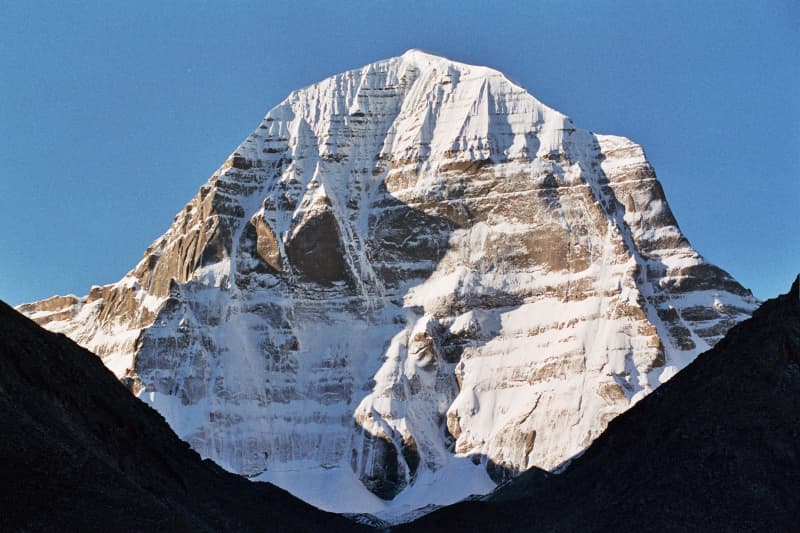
715, 448
79, 452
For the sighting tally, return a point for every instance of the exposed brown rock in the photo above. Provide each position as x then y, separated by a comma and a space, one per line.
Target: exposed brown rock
315, 251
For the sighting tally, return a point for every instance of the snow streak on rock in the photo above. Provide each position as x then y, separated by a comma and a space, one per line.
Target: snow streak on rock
410, 282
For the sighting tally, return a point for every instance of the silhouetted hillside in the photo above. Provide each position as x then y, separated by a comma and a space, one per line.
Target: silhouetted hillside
78, 452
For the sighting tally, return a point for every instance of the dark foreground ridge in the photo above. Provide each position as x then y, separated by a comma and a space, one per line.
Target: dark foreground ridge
715, 448
79, 453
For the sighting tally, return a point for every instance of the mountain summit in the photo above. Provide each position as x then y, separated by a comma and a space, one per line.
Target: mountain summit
411, 281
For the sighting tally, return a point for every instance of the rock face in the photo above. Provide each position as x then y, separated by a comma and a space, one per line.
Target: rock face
715, 449
409, 270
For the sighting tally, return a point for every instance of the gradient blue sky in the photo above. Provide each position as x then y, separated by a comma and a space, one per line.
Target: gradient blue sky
112, 114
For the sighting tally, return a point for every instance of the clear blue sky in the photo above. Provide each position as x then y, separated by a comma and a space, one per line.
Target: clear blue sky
112, 114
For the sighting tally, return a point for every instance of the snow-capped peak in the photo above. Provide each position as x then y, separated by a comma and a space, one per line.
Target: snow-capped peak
411, 281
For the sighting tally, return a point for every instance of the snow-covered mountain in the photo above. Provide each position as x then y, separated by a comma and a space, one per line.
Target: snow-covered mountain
412, 280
